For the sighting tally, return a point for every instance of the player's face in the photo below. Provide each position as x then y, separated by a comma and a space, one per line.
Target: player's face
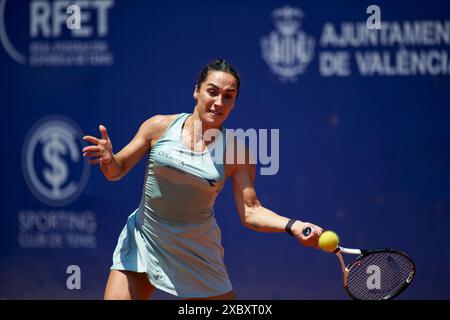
216, 98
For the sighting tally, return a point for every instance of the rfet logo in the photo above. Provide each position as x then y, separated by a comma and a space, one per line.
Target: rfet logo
50, 42
287, 50
52, 165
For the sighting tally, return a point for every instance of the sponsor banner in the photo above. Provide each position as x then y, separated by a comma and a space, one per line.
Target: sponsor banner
397, 48
50, 39
56, 174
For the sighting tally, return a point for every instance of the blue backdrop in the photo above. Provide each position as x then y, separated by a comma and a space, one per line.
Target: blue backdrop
364, 135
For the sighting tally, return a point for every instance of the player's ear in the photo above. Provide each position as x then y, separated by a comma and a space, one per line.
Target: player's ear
195, 95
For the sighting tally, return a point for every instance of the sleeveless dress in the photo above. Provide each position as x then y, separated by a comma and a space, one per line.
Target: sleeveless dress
173, 236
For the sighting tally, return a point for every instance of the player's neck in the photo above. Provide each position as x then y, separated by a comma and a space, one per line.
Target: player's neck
196, 137
194, 121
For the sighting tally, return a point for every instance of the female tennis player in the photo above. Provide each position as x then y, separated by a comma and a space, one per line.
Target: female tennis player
172, 241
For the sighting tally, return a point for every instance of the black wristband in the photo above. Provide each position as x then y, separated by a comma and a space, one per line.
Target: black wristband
289, 225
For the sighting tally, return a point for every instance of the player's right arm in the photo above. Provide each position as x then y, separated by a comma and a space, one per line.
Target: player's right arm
115, 166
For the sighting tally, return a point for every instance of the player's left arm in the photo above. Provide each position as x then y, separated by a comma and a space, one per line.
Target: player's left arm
255, 216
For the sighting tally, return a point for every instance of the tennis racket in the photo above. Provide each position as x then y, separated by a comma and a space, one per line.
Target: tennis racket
376, 274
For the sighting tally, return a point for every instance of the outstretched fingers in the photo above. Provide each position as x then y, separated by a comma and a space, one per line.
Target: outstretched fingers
92, 154
91, 149
92, 139
101, 148
103, 131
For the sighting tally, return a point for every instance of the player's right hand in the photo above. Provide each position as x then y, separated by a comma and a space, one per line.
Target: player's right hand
101, 150
311, 240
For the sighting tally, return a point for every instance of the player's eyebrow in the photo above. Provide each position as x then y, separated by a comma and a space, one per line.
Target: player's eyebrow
217, 87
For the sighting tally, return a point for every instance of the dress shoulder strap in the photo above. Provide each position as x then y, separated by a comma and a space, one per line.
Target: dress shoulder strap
173, 129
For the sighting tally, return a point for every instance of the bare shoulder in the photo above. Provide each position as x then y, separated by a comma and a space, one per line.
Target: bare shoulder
155, 126
159, 122
238, 156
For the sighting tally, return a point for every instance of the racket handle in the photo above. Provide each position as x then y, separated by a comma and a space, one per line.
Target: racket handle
307, 231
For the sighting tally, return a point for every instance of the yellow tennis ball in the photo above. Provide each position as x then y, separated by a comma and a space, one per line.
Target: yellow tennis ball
328, 241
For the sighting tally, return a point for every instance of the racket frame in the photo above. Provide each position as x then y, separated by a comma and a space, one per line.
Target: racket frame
364, 253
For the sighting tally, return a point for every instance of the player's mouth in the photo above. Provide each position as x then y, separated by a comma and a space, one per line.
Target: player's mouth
215, 113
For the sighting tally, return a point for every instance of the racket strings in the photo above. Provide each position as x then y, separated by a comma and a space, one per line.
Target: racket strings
378, 276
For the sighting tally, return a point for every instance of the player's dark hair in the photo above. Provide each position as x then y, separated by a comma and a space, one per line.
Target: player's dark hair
218, 65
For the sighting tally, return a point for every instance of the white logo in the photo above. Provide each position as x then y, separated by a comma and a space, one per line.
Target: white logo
84, 42
287, 50
51, 161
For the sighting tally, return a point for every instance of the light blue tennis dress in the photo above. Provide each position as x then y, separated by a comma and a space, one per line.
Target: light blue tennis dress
173, 235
